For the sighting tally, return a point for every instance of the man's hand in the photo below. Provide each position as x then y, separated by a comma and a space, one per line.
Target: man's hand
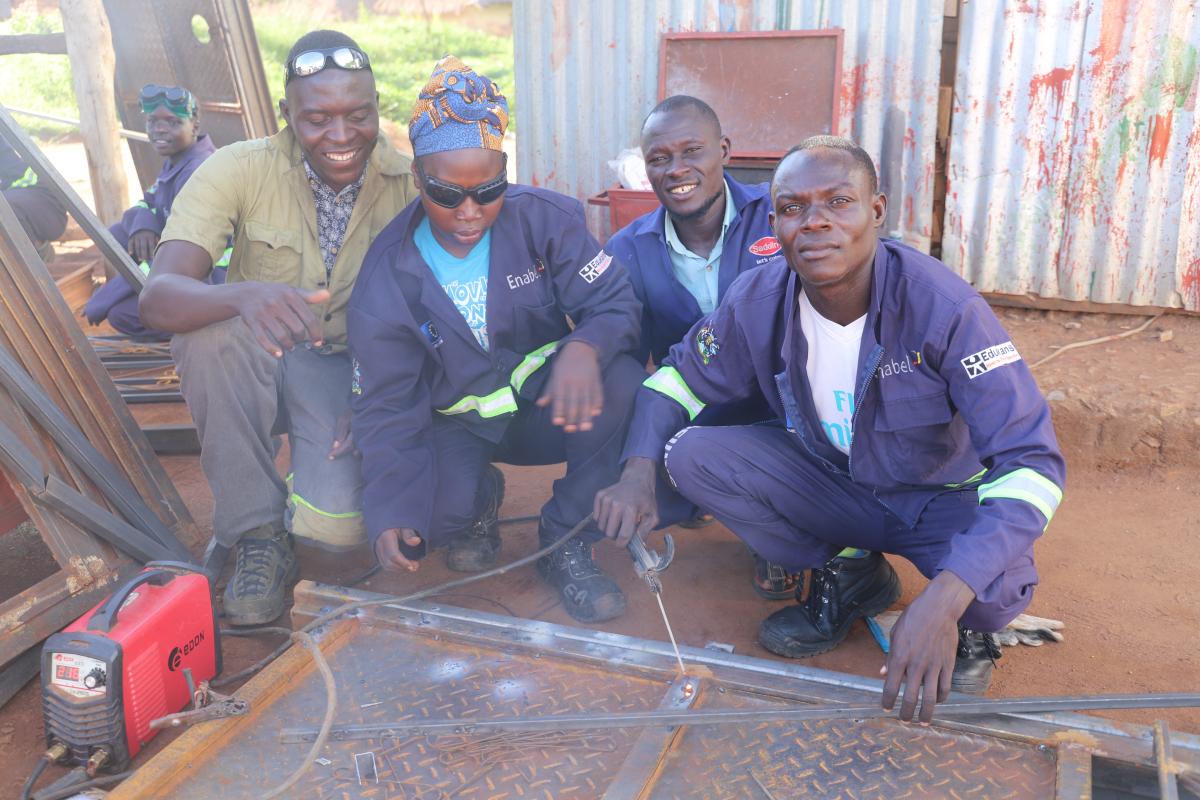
279, 316
574, 388
628, 506
141, 245
343, 440
387, 549
923, 647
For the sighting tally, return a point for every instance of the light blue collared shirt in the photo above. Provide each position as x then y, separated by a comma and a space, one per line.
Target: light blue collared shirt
699, 275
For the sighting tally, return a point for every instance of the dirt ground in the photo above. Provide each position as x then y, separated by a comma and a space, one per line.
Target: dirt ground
1117, 564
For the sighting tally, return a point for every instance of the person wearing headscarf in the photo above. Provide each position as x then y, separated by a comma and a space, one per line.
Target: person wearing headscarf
487, 326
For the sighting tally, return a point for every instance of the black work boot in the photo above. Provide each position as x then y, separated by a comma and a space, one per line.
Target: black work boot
587, 593
974, 661
840, 592
266, 569
477, 548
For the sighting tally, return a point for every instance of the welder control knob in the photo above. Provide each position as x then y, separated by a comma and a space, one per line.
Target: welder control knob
94, 679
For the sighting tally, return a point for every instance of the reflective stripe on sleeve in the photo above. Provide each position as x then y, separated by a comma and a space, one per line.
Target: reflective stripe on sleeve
669, 382
495, 404
223, 261
1027, 485
531, 364
30, 178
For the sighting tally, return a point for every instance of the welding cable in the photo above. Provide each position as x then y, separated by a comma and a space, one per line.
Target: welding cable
42, 763
314, 650
439, 589
92, 783
371, 572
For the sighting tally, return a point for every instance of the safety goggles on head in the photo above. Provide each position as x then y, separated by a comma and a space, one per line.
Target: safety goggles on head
451, 195
177, 100
310, 62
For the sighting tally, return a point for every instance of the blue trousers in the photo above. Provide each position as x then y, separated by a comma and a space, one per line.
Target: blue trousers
593, 459
761, 484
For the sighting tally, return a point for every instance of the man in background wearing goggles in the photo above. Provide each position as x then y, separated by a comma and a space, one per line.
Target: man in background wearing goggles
173, 125
266, 352
464, 355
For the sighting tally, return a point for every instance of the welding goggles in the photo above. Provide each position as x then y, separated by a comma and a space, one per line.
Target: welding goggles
178, 101
451, 195
310, 62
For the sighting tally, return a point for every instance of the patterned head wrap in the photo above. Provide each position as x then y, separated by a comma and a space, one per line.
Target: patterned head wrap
457, 109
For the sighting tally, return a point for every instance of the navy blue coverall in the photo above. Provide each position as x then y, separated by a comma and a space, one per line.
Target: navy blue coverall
669, 310
432, 408
953, 460
116, 300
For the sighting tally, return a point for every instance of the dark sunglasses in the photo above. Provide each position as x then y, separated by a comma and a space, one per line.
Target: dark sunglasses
177, 100
451, 195
310, 62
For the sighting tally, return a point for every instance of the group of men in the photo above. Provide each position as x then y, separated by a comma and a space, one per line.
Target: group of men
828, 395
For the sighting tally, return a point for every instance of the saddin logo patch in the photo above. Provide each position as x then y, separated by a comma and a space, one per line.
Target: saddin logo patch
766, 246
596, 267
990, 358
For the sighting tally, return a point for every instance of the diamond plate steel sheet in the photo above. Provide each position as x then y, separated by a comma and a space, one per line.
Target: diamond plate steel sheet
880, 758
382, 675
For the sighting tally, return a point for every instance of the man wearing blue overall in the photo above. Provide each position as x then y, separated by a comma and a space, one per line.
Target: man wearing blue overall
683, 257
464, 354
173, 125
911, 426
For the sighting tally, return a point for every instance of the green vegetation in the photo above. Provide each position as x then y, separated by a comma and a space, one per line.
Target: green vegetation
402, 50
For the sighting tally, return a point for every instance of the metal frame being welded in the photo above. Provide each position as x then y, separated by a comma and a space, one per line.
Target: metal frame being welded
1077, 750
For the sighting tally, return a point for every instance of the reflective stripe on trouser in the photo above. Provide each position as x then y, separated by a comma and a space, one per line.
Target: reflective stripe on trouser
330, 530
1026, 485
503, 400
241, 397
30, 178
669, 382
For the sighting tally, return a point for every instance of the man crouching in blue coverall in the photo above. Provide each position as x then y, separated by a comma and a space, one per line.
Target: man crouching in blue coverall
464, 355
953, 461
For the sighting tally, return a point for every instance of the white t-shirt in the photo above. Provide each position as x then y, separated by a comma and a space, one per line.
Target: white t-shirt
832, 366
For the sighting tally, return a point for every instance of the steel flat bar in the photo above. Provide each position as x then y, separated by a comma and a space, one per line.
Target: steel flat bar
50, 179
75, 446
971, 708
1167, 788
1073, 772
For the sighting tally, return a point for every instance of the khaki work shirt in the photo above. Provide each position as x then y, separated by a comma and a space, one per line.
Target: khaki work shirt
257, 191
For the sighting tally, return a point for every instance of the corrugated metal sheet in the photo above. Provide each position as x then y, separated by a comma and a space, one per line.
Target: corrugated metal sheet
587, 72
1075, 158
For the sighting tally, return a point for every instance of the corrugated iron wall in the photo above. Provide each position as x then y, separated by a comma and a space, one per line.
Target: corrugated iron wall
587, 73
1075, 158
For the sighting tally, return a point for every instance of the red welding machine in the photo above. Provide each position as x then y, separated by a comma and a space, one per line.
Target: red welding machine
121, 665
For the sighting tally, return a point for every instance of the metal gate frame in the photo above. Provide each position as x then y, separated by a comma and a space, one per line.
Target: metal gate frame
1088, 751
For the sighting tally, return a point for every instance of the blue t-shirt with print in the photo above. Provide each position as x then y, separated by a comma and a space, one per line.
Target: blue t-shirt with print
464, 279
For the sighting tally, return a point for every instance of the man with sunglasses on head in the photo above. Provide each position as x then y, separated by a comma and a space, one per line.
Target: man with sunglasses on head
173, 125
464, 354
266, 352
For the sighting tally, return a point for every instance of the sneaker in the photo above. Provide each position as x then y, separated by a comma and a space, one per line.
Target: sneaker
841, 592
477, 548
587, 593
775, 582
974, 661
266, 568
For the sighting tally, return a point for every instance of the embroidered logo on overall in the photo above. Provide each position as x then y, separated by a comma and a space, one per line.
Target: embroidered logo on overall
355, 377
596, 267
990, 358
766, 246
431, 333
707, 344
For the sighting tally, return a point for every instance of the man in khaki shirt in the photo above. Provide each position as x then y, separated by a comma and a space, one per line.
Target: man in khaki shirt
266, 352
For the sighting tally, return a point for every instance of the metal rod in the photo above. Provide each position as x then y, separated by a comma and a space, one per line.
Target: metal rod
137, 136
967, 708
1167, 788
670, 633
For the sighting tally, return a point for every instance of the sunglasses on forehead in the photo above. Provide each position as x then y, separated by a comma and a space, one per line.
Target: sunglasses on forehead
310, 62
176, 99
451, 195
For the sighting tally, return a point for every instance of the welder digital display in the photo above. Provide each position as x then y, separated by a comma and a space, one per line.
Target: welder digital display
66, 673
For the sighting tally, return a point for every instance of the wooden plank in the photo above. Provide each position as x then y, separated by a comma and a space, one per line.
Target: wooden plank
90, 49
47, 43
76, 288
